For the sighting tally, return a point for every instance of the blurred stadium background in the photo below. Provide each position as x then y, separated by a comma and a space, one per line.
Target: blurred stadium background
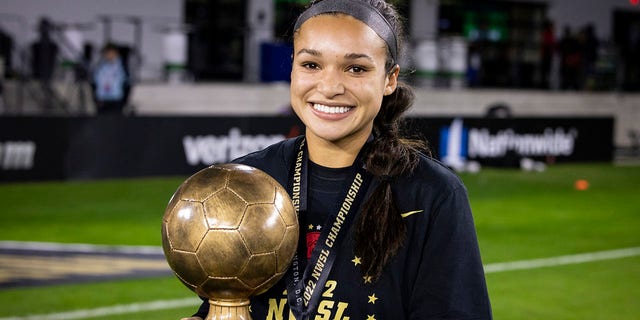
542, 125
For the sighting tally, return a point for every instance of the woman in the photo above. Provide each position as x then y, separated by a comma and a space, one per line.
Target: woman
389, 232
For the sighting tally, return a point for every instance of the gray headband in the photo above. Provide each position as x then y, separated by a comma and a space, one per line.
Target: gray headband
360, 10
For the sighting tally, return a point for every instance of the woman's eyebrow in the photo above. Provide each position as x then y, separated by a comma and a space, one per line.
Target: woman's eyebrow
348, 56
312, 52
355, 56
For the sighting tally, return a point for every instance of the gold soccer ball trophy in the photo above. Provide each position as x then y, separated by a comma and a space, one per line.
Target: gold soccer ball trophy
229, 232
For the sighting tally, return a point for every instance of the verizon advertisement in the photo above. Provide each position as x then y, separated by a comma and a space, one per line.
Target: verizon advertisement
124, 147
209, 149
33, 148
105, 147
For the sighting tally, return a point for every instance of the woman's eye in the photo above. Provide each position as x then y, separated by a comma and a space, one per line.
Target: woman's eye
309, 65
357, 69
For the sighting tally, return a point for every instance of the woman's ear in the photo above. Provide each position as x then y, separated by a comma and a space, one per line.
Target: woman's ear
391, 83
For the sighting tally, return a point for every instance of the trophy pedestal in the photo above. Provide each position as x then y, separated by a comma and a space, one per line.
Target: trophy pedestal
228, 310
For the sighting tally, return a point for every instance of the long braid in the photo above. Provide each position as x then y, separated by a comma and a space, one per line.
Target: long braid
379, 229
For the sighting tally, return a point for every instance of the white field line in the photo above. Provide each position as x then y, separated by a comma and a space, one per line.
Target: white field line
114, 310
178, 303
562, 260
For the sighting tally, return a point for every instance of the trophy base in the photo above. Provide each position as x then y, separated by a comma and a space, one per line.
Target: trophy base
228, 310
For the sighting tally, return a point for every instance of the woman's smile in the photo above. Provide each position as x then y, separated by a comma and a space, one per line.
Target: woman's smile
330, 109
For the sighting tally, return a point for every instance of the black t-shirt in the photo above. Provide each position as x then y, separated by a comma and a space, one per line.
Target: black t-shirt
437, 274
326, 186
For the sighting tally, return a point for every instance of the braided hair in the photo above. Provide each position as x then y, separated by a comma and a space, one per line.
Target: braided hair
379, 229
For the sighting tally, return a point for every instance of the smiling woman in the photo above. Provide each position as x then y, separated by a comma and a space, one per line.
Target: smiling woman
389, 232
338, 81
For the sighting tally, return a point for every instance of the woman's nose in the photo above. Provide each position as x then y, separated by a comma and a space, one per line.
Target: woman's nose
330, 83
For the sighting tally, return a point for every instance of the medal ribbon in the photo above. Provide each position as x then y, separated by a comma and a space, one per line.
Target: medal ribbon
304, 288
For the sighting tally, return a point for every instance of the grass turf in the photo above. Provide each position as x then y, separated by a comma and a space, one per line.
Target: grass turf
97, 212
519, 215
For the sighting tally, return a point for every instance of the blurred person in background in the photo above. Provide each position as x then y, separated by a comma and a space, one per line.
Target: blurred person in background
547, 51
110, 82
570, 60
44, 55
407, 247
590, 46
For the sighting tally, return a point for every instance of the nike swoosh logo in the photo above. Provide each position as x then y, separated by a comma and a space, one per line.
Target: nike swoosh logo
406, 214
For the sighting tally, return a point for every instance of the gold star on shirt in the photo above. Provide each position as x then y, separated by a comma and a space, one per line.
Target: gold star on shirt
310, 227
371, 317
356, 261
373, 298
367, 279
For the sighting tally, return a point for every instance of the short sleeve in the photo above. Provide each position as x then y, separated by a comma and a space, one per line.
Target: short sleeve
450, 283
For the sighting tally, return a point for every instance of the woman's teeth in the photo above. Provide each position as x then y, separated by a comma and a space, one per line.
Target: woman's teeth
327, 109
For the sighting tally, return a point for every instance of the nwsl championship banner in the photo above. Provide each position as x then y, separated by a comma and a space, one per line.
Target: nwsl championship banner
56, 148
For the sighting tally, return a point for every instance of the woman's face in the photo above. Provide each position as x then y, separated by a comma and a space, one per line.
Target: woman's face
338, 77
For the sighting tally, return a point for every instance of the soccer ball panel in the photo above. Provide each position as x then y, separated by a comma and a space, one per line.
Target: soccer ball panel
166, 246
173, 202
258, 266
262, 228
224, 210
218, 249
253, 186
186, 226
287, 248
285, 208
203, 184
186, 266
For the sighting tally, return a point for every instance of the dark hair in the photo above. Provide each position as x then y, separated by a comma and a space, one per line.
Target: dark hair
110, 46
379, 230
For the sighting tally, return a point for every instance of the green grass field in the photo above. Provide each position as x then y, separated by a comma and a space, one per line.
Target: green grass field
519, 216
